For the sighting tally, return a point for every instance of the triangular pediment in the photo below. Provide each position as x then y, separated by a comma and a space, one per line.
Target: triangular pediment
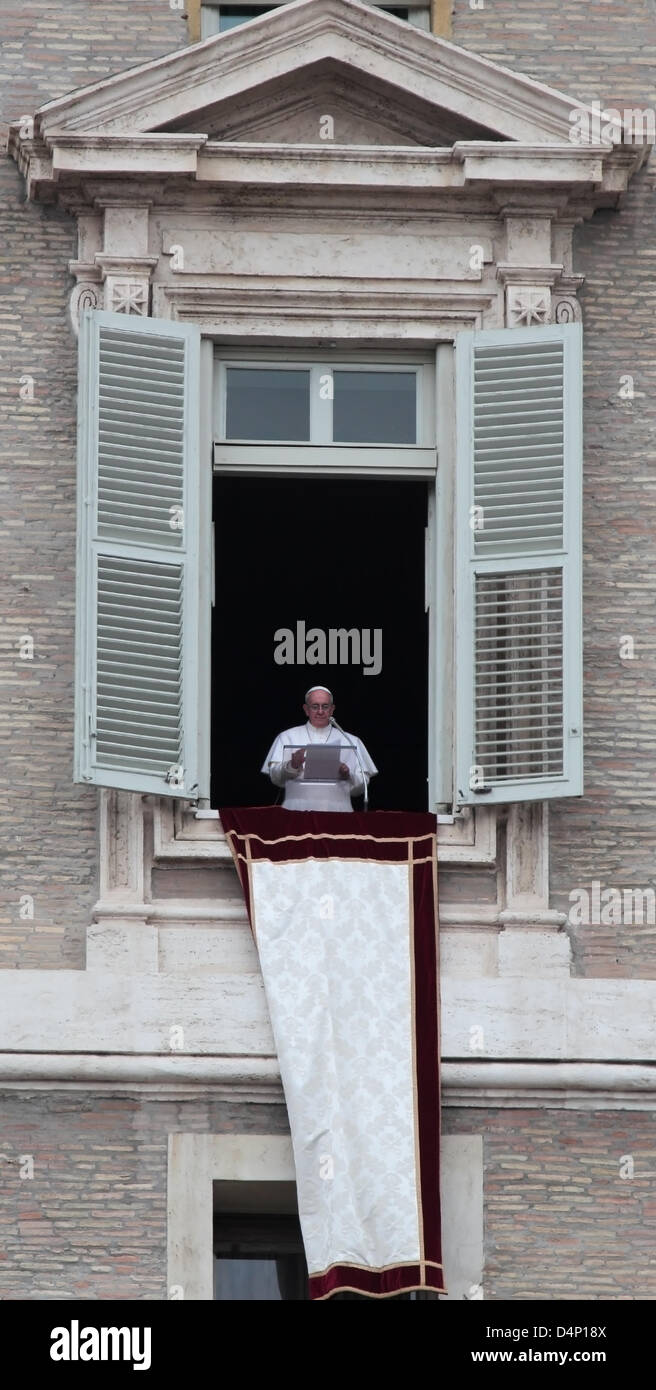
388, 81
327, 101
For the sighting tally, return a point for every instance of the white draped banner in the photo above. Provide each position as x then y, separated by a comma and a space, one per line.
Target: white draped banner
343, 911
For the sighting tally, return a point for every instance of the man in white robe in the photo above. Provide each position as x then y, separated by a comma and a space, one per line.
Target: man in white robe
286, 769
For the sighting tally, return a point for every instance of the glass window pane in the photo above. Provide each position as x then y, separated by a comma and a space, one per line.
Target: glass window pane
375, 408
232, 15
238, 1280
217, 18
267, 404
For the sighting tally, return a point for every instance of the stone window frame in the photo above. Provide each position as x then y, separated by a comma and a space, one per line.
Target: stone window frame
189, 832
183, 832
441, 18
196, 1161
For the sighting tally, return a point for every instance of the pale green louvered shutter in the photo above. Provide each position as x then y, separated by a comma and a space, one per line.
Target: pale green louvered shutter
138, 590
518, 705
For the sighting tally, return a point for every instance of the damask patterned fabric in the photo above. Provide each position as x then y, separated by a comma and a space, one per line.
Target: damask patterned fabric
343, 911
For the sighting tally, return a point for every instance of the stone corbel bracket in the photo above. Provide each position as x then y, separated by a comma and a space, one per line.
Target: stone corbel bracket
126, 281
528, 293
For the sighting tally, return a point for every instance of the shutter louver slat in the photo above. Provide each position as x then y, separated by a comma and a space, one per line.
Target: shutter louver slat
522, 683
139, 403
518, 590
138, 626
131, 646
515, 518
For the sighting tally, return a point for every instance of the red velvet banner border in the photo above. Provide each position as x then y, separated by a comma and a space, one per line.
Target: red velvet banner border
277, 835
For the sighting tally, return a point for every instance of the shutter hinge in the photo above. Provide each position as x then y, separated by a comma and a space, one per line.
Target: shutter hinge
90, 735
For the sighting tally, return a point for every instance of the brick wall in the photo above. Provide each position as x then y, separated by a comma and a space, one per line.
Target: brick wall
604, 51
48, 825
91, 1223
560, 1221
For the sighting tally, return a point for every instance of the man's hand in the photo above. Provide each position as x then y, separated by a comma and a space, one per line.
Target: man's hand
297, 758
344, 770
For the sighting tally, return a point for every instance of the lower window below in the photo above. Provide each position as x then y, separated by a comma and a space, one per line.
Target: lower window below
258, 1257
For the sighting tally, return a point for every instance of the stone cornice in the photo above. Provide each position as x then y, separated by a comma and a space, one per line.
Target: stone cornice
127, 127
71, 163
529, 274
427, 316
496, 1085
194, 912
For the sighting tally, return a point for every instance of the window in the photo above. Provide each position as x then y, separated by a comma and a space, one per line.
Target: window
349, 414
267, 403
343, 448
503, 539
348, 405
260, 1257
217, 18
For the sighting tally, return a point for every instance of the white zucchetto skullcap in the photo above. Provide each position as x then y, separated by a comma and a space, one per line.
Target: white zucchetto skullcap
318, 687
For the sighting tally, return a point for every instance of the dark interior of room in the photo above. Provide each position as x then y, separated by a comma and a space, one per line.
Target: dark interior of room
332, 553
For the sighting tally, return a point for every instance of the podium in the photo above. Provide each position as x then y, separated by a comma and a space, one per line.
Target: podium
320, 762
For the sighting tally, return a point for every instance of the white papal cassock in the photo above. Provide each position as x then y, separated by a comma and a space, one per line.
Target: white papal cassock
300, 796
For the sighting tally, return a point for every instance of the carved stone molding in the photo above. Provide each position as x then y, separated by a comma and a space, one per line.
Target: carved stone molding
121, 845
527, 857
126, 282
126, 296
528, 292
179, 834
527, 305
530, 304
566, 309
532, 941
313, 314
87, 294
119, 939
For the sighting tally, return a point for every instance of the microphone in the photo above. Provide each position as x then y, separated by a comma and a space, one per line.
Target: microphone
356, 750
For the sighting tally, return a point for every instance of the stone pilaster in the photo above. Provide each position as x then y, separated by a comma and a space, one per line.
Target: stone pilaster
120, 938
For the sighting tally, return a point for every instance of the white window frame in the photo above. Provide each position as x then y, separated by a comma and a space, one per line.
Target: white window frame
210, 14
436, 428
319, 456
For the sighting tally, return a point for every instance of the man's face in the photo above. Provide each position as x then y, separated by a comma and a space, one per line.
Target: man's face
319, 708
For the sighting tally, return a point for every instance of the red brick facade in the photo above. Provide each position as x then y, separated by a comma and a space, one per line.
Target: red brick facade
561, 1220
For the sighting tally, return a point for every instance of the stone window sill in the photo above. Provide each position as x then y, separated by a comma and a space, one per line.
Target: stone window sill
182, 833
